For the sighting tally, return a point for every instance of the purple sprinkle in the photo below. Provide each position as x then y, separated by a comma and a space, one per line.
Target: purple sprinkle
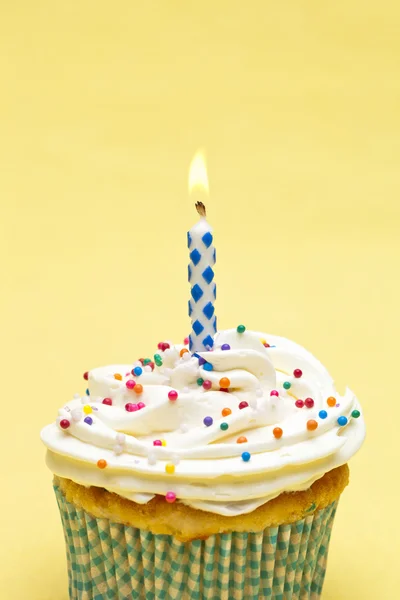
225, 347
337, 405
208, 421
202, 361
88, 420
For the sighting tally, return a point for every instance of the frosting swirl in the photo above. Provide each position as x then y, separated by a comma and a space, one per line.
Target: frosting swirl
197, 455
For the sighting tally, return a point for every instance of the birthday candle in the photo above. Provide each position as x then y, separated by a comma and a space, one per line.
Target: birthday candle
201, 279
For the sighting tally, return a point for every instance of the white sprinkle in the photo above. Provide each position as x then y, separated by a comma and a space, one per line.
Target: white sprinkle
151, 457
167, 371
175, 459
147, 368
76, 414
259, 392
137, 364
253, 402
136, 461
184, 428
77, 396
185, 390
186, 356
118, 449
85, 399
120, 438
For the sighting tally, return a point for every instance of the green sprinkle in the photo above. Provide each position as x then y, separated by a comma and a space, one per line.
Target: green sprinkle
355, 414
224, 426
287, 385
146, 361
158, 360
241, 329
200, 381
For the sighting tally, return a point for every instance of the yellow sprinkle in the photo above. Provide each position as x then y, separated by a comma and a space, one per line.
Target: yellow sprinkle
163, 442
87, 409
263, 341
170, 468
118, 376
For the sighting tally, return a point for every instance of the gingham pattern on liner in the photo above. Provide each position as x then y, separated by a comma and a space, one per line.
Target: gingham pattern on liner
111, 561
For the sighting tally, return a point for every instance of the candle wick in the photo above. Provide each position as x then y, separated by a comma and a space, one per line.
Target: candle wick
201, 209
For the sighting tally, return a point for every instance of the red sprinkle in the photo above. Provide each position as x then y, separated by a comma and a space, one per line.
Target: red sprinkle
243, 404
107, 401
297, 373
186, 341
130, 407
299, 403
274, 393
64, 423
130, 384
157, 443
309, 402
86, 375
173, 395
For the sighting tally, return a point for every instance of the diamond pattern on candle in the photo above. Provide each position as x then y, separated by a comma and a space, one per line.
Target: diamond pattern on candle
215, 255
189, 272
208, 274
190, 309
215, 291
198, 327
195, 257
215, 324
207, 239
208, 310
189, 239
197, 292
208, 341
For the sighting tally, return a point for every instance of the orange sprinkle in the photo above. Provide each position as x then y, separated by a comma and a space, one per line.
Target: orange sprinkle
277, 431
118, 376
224, 382
183, 351
331, 401
312, 425
226, 412
102, 463
241, 440
138, 389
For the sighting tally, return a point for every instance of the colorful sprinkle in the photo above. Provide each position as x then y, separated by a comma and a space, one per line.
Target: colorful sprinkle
88, 420
183, 351
118, 376
287, 385
163, 346
138, 389
243, 404
130, 407
141, 405
342, 421
186, 341
208, 367
173, 395
157, 443
299, 403
226, 412
241, 439
224, 426
277, 431
312, 425
86, 375
225, 347
274, 393
322, 414
163, 443
137, 371
331, 401
107, 401
130, 384
87, 409
246, 456
240, 328
309, 402
158, 360
64, 423
87, 392
170, 497
224, 382
207, 385
102, 463
208, 421
297, 373
202, 361
170, 468
200, 381
355, 414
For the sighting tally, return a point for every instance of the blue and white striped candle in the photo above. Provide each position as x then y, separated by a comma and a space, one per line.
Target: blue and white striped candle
203, 288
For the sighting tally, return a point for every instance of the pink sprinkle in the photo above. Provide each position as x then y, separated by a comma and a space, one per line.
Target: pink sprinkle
274, 393
157, 443
186, 341
141, 405
170, 497
207, 385
130, 384
130, 407
173, 395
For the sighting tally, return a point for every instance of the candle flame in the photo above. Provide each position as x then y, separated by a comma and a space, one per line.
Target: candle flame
198, 178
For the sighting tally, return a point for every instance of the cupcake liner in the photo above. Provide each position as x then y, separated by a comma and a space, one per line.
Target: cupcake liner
111, 561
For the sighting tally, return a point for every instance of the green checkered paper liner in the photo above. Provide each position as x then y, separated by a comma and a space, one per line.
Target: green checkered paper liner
111, 561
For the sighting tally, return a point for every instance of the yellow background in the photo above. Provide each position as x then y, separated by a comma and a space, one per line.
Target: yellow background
102, 106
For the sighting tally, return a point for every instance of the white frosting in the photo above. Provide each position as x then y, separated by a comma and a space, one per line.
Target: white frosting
210, 473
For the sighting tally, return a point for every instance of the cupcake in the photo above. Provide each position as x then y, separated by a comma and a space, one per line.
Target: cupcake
203, 474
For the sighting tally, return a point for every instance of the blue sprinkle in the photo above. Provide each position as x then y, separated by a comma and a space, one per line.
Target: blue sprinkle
246, 456
342, 421
87, 392
137, 371
322, 414
208, 367
88, 420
